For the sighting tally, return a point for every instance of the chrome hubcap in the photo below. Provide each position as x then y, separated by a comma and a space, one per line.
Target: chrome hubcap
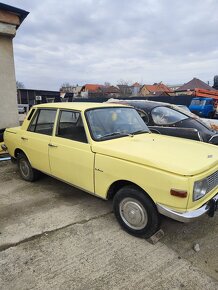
133, 213
24, 168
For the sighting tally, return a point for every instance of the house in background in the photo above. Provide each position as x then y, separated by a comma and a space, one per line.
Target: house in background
174, 87
125, 90
158, 89
77, 91
110, 91
91, 91
190, 87
135, 88
95, 91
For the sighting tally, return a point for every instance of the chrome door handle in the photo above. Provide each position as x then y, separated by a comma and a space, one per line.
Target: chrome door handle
24, 138
52, 145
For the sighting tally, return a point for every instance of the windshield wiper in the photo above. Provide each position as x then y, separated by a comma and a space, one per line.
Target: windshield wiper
139, 131
115, 134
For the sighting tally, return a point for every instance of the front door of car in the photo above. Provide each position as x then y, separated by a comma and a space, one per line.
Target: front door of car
35, 140
71, 158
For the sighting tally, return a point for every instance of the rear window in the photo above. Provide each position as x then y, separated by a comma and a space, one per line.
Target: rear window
43, 122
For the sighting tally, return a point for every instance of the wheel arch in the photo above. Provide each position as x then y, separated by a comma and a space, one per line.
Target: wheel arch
117, 185
19, 151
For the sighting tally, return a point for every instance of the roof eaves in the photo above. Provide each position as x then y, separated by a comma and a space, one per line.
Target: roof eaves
22, 14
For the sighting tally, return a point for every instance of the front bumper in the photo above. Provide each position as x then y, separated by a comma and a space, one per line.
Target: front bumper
210, 207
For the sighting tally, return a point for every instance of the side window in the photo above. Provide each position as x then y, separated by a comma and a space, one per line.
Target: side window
71, 127
166, 116
43, 122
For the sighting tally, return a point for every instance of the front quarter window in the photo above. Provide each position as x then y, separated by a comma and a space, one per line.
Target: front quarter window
113, 122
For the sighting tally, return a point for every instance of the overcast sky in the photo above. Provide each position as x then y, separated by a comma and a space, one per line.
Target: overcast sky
97, 41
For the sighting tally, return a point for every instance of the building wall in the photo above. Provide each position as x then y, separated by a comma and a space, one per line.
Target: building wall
8, 94
144, 91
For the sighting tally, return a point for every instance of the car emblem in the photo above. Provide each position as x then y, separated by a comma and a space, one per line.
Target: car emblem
210, 156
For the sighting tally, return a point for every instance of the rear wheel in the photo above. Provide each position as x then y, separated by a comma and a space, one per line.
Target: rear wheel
26, 171
136, 212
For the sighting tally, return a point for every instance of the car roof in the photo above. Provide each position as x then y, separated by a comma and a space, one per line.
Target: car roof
143, 104
80, 106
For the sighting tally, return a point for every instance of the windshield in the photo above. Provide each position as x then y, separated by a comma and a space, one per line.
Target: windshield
166, 116
114, 122
198, 102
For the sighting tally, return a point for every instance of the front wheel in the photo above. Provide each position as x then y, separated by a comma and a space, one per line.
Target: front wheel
26, 171
136, 212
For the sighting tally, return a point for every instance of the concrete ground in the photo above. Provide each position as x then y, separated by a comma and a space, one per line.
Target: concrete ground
53, 236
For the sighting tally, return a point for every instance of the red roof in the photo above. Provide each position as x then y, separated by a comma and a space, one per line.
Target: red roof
158, 88
92, 87
195, 84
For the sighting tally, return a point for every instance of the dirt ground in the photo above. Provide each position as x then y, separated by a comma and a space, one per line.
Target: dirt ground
53, 236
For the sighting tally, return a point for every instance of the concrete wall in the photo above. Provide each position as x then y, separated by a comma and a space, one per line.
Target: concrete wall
8, 93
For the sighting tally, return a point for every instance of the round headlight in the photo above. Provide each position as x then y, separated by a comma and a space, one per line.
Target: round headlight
200, 189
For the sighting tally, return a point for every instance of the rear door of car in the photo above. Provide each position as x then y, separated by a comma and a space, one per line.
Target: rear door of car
71, 158
36, 139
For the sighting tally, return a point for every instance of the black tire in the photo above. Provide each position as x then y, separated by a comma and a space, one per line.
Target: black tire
2, 135
136, 212
13, 160
26, 171
211, 115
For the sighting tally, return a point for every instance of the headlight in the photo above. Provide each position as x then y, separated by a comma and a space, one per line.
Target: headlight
200, 189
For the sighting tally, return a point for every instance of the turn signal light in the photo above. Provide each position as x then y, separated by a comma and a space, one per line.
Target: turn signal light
179, 193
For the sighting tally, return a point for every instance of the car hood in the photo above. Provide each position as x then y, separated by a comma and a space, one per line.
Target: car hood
176, 155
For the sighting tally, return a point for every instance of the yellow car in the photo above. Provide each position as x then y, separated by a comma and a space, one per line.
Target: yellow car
107, 150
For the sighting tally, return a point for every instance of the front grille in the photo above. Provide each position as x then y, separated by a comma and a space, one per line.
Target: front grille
212, 181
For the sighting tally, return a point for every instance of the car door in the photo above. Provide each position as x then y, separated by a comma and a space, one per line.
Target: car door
71, 158
36, 139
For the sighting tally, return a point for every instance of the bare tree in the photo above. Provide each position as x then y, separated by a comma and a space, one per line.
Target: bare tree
123, 83
65, 85
20, 85
124, 87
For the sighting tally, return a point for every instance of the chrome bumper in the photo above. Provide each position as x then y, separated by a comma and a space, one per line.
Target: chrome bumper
210, 207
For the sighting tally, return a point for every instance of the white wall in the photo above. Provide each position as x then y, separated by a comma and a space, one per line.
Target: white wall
8, 92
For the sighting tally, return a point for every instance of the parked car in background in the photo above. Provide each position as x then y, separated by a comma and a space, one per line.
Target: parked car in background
23, 108
107, 150
203, 107
172, 120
